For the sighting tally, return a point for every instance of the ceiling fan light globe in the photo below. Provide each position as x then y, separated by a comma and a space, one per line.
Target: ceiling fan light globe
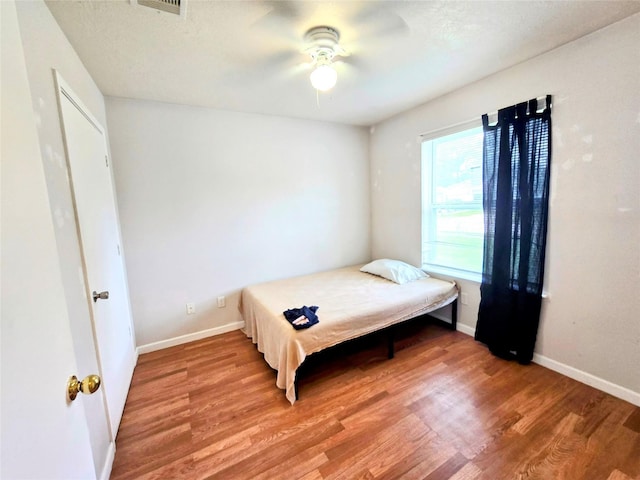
324, 78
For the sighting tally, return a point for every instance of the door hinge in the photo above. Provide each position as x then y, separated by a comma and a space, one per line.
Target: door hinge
106, 161
118, 247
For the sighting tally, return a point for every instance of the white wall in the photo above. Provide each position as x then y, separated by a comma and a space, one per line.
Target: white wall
590, 322
211, 201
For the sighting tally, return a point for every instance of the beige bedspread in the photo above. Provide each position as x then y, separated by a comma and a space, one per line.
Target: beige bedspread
351, 304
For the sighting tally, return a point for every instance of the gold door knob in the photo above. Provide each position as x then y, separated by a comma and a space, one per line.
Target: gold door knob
90, 384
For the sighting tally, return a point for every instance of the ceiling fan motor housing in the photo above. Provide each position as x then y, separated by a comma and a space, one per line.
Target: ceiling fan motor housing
323, 44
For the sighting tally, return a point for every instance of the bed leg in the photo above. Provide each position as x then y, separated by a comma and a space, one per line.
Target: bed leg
295, 386
454, 314
390, 347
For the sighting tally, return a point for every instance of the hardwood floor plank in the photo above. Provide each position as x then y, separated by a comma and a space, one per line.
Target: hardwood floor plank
314, 475
554, 455
443, 408
152, 452
468, 472
160, 415
267, 455
449, 468
183, 467
163, 386
430, 452
306, 462
376, 454
633, 420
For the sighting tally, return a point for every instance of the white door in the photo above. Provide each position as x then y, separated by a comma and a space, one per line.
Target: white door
100, 240
43, 436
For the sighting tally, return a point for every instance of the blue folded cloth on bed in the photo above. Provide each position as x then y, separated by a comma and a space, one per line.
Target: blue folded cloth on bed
303, 317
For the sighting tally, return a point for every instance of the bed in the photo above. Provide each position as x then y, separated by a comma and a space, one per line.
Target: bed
351, 304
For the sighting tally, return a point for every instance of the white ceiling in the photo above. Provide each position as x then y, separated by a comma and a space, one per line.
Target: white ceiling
246, 55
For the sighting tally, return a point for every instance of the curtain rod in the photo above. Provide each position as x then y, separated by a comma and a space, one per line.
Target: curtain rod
542, 100
457, 126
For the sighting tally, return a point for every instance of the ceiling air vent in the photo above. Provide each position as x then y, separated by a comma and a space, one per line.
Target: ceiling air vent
177, 7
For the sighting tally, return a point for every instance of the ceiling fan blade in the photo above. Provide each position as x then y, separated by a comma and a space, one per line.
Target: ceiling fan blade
376, 22
302, 67
282, 8
273, 67
350, 64
279, 20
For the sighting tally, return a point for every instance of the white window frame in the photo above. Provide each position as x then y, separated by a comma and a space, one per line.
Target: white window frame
428, 207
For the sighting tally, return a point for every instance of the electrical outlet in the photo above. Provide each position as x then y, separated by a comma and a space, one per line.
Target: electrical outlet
191, 308
221, 301
464, 299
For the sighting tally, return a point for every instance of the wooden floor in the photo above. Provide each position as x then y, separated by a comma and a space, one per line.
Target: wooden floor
443, 408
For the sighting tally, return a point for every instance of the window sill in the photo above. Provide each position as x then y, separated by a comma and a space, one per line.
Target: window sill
453, 273
462, 275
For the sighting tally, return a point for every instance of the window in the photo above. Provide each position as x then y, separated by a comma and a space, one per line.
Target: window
452, 218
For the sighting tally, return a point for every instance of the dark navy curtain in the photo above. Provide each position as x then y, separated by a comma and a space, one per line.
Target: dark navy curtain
516, 165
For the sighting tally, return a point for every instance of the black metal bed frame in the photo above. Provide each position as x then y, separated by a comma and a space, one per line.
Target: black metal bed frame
390, 336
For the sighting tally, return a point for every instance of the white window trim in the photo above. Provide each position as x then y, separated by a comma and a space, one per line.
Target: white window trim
451, 129
427, 206
453, 273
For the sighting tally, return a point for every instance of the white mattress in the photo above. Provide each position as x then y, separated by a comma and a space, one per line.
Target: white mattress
351, 304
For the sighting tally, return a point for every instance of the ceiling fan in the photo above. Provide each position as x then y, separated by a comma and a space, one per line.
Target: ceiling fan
368, 26
323, 48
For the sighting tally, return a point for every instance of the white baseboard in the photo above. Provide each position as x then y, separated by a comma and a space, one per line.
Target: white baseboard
588, 379
571, 372
172, 342
466, 329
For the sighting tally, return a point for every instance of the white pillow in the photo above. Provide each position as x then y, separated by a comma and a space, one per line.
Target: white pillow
394, 270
